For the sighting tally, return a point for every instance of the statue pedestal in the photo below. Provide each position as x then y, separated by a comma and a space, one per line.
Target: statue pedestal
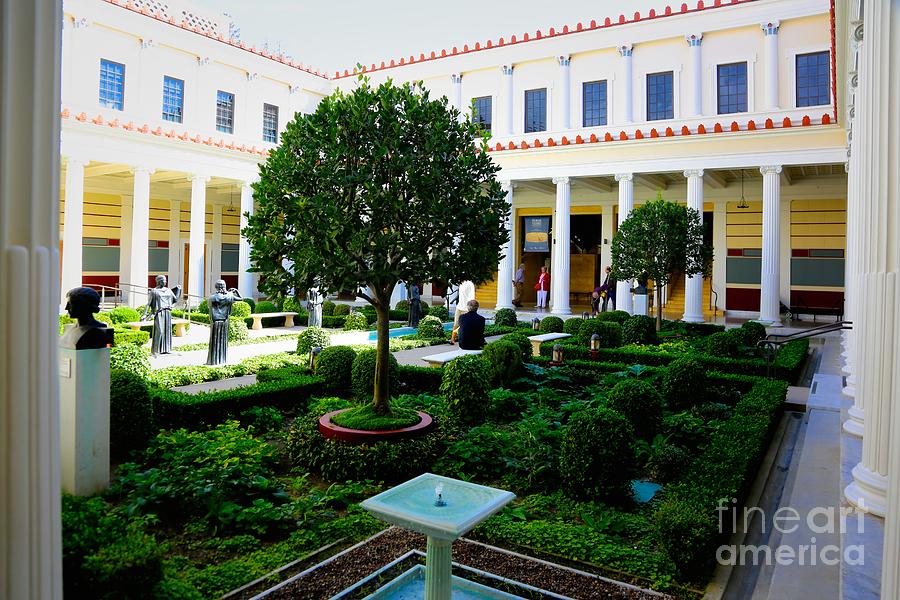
84, 420
640, 304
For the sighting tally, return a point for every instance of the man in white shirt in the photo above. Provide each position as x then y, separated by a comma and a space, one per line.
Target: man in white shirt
518, 283
466, 293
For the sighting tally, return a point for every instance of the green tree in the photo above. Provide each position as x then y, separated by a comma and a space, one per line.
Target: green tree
658, 240
378, 185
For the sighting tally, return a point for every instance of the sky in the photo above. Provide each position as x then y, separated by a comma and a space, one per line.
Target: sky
337, 34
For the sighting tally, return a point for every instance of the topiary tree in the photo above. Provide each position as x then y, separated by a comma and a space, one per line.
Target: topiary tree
431, 328
610, 332
504, 361
658, 240
639, 329
596, 458
506, 317
311, 337
402, 305
356, 322
618, 316
335, 366
724, 344
341, 310
439, 312
237, 330
364, 373
751, 332
684, 383
124, 314
522, 342
240, 310
328, 308
551, 325
464, 385
265, 306
641, 404
377, 186
130, 412
251, 303
572, 326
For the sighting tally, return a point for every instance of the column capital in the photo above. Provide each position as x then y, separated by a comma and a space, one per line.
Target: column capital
564, 60
624, 176
79, 22
147, 44
561, 180
247, 185
198, 177
76, 160
507, 185
770, 169
625, 49
203, 61
142, 169
693, 173
858, 31
455, 78
770, 27
294, 89
693, 39
506, 69
252, 76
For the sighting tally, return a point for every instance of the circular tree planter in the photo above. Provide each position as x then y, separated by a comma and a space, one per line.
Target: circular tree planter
361, 436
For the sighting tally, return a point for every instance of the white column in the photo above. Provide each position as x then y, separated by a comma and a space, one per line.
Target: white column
720, 251
140, 237
73, 226
176, 267
606, 235
246, 279
559, 278
507, 71
626, 205
770, 31
505, 269
625, 51
456, 84
693, 287
770, 275
565, 89
215, 267
30, 540
197, 236
125, 222
696, 59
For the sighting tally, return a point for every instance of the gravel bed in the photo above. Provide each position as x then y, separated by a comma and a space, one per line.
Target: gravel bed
347, 569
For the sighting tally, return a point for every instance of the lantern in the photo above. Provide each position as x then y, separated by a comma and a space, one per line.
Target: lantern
585, 315
595, 346
313, 356
536, 324
557, 355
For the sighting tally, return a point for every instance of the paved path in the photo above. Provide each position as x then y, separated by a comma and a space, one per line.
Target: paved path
414, 357
217, 386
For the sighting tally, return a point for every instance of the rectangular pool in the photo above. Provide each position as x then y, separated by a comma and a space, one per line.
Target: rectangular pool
401, 331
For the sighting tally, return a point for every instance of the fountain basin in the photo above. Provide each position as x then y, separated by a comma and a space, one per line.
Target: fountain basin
360, 436
411, 586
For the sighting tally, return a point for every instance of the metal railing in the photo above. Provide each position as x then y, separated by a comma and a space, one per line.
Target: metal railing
773, 342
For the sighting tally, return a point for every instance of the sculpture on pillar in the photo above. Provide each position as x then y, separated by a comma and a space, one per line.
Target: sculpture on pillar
415, 306
160, 302
219, 312
89, 334
314, 302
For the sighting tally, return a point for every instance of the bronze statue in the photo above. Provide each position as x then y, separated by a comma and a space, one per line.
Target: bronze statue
89, 334
219, 313
415, 306
314, 301
160, 302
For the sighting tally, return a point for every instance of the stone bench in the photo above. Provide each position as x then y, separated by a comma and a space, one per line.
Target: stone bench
438, 360
258, 317
178, 323
537, 340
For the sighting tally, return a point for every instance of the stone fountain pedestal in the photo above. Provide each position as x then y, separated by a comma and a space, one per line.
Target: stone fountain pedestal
443, 509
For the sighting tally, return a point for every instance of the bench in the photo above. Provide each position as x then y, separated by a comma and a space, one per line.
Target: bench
258, 317
800, 307
178, 323
537, 340
438, 360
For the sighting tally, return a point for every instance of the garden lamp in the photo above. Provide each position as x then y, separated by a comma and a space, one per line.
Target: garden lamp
536, 324
595, 346
557, 355
313, 355
585, 315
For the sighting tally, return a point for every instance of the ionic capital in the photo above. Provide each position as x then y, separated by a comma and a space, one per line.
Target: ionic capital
770, 27
506, 69
204, 179
624, 176
770, 169
564, 60
694, 39
693, 173
561, 180
455, 78
625, 49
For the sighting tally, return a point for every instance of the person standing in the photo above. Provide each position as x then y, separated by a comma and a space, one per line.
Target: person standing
160, 302
608, 289
543, 288
219, 313
518, 285
466, 293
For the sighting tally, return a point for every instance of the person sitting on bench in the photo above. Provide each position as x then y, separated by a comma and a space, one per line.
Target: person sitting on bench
471, 328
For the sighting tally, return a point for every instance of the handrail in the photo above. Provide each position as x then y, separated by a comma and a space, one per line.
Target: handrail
772, 344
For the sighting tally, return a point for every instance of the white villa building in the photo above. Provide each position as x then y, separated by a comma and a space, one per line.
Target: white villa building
778, 120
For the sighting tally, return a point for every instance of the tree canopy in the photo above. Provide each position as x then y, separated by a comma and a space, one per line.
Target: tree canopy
658, 240
378, 185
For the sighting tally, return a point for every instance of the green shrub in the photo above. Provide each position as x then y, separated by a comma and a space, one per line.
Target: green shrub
124, 314
342, 310
571, 326
265, 306
135, 359
237, 330
127, 568
668, 463
431, 328
131, 421
417, 380
335, 365
610, 332
363, 374
104, 318
506, 405
262, 419
504, 361
641, 404
63, 321
328, 308
506, 316
551, 324
130, 336
402, 306
203, 307
596, 459
291, 304
686, 533
251, 303
639, 329
311, 337
240, 310
355, 321
723, 344
465, 386
522, 342
752, 332
684, 382
617, 316
439, 312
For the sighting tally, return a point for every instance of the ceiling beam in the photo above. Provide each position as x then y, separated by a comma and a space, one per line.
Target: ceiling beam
545, 187
654, 182
715, 179
595, 184
786, 178
105, 169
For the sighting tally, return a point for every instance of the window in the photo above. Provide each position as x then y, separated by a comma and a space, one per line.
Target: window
482, 114
173, 99
224, 112
270, 123
594, 103
112, 84
732, 82
660, 103
813, 79
535, 110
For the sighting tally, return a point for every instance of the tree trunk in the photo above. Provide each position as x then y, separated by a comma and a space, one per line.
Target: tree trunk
658, 306
382, 397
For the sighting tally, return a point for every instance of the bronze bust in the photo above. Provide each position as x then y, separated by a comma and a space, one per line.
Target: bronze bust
89, 334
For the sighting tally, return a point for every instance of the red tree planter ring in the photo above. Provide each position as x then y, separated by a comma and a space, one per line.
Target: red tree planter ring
359, 436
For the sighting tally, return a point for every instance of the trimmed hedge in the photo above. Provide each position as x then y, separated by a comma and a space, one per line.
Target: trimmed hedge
504, 360
465, 386
130, 336
573, 325
551, 324
640, 403
596, 457
418, 380
506, 316
639, 329
610, 333
363, 374
131, 421
334, 365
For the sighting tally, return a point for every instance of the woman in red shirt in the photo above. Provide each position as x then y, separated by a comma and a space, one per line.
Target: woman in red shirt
543, 288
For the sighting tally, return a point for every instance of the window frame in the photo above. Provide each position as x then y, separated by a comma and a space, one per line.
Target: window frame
229, 130
646, 79
525, 111
794, 54
490, 127
180, 119
718, 89
603, 101
100, 99
266, 105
